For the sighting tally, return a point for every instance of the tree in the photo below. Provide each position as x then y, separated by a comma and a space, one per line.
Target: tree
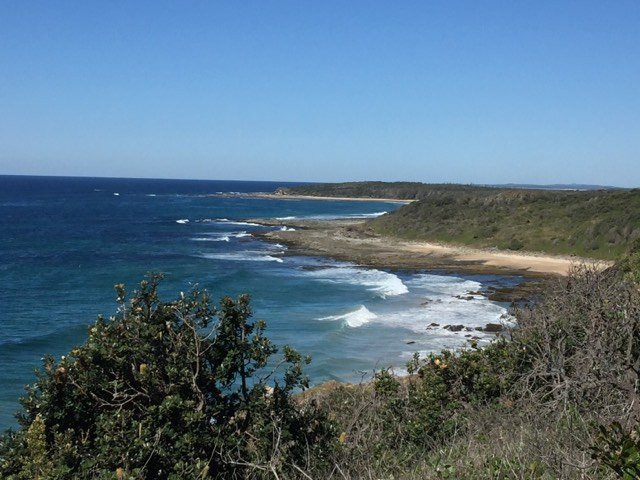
166, 390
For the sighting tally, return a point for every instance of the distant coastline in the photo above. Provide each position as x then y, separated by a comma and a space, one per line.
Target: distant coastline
285, 196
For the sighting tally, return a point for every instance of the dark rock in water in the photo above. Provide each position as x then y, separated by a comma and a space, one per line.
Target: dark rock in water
468, 329
493, 327
426, 302
522, 293
464, 297
480, 329
454, 328
434, 325
475, 338
313, 268
467, 335
410, 342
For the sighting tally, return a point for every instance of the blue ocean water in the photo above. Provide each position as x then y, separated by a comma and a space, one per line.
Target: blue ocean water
64, 243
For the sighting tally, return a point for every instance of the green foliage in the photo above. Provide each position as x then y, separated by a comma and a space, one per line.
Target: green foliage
619, 449
445, 386
178, 390
583, 342
599, 224
166, 390
595, 223
630, 263
396, 190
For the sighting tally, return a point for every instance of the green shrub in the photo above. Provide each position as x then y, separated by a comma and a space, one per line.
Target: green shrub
620, 450
172, 390
630, 263
431, 404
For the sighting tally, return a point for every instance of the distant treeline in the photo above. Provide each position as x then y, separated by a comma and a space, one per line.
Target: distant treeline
596, 223
397, 190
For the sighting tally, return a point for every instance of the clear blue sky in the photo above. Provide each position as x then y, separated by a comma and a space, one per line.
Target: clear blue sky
458, 91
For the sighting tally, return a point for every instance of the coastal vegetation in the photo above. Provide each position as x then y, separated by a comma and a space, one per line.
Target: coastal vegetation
185, 389
598, 224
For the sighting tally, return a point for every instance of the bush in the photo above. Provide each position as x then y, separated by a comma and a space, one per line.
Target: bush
630, 263
583, 344
619, 449
166, 390
178, 390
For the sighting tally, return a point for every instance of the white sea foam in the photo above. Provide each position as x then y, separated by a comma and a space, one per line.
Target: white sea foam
470, 314
447, 301
355, 318
151, 195
227, 222
116, 194
443, 284
287, 229
220, 236
183, 221
223, 238
247, 256
333, 216
383, 283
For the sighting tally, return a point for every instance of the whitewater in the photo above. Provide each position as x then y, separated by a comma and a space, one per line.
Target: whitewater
64, 243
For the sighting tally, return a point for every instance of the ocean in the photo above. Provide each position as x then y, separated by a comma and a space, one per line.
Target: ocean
64, 243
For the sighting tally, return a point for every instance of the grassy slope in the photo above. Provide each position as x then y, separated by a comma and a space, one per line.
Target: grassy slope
598, 223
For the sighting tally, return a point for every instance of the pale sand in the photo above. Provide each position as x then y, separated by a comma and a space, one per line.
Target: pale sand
349, 240
530, 262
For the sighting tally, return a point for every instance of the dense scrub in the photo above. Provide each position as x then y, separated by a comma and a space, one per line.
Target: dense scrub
166, 390
179, 390
599, 224
397, 190
594, 223
558, 399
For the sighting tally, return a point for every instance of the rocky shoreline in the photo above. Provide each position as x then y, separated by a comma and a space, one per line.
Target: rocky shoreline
351, 240
348, 240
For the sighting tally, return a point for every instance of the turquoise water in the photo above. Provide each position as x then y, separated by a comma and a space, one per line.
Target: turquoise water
64, 243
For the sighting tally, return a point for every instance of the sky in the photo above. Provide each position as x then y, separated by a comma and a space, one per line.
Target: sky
435, 91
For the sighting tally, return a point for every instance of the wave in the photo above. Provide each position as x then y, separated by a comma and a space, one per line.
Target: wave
247, 256
330, 216
354, 319
182, 221
444, 285
437, 317
227, 222
116, 194
382, 283
284, 228
223, 238
220, 236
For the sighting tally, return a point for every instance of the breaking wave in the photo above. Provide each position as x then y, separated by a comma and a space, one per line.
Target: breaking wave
354, 319
247, 256
382, 283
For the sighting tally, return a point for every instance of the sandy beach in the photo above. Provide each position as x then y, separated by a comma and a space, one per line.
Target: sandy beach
349, 240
